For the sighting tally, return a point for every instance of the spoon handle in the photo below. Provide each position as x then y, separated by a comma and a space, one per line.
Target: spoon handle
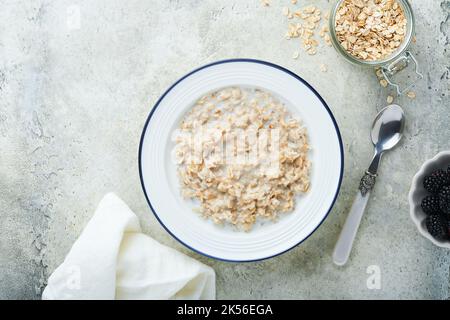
348, 233
345, 242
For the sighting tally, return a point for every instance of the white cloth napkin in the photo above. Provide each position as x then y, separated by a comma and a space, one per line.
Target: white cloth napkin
112, 259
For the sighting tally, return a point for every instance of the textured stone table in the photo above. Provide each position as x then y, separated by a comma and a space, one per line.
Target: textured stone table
78, 78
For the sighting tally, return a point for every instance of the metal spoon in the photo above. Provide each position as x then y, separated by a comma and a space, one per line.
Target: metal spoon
387, 130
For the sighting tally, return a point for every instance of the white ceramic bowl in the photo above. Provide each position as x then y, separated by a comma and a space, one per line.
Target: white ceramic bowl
160, 182
418, 192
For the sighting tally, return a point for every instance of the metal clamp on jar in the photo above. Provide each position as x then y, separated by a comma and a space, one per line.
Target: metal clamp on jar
398, 61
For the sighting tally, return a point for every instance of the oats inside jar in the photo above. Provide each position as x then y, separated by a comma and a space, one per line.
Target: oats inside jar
242, 155
370, 30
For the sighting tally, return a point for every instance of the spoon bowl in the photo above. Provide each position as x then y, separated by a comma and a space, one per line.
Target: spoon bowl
387, 128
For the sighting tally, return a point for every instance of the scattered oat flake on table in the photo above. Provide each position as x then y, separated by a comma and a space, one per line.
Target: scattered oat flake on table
265, 3
383, 83
305, 23
327, 39
379, 73
323, 67
323, 31
311, 51
294, 1
390, 99
411, 95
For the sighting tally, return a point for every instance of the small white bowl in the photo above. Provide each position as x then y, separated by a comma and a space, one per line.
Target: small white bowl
418, 192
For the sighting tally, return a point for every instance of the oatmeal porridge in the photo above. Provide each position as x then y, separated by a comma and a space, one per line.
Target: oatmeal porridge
242, 155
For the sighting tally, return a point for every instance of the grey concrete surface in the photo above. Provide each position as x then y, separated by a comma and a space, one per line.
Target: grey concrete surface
78, 78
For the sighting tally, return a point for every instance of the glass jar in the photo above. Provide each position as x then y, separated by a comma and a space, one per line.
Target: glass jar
396, 62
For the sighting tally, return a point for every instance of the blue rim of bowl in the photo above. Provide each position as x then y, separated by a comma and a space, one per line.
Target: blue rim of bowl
338, 133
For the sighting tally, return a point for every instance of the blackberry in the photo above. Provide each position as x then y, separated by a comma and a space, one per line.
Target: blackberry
429, 183
448, 226
436, 180
436, 226
430, 204
446, 219
442, 176
444, 200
